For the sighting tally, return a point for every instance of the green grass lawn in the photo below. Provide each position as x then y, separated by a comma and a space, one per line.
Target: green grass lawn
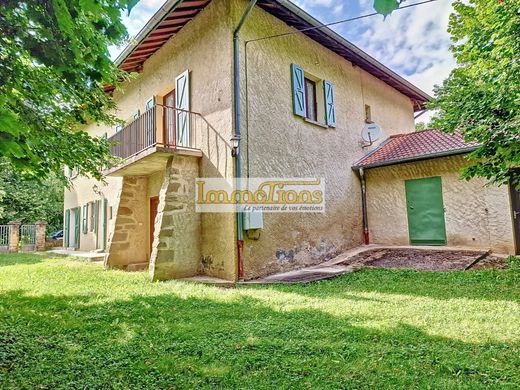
69, 324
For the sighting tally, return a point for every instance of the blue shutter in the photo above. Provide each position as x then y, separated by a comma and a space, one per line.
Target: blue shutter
150, 103
298, 90
182, 106
330, 108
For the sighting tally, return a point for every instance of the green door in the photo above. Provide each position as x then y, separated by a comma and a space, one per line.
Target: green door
425, 211
77, 221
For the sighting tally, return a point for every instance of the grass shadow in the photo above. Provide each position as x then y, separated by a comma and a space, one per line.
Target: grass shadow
171, 340
23, 258
490, 285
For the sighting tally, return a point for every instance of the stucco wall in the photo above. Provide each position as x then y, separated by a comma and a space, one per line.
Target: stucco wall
476, 215
275, 143
204, 47
283, 145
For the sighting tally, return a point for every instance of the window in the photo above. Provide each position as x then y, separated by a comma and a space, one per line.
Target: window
150, 103
72, 173
85, 219
368, 114
136, 114
313, 98
119, 128
310, 100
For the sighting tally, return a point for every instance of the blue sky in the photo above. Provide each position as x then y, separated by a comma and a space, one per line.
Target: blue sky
413, 42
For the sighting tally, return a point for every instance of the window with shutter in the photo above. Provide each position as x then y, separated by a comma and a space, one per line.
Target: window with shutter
298, 90
330, 104
315, 105
182, 107
84, 221
150, 103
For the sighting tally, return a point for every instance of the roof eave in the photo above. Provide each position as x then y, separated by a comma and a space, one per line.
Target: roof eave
357, 51
157, 18
416, 158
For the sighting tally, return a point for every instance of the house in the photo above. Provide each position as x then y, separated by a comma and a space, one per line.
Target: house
298, 101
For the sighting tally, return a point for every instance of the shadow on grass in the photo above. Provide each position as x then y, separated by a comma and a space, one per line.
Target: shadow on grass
490, 285
168, 341
8, 259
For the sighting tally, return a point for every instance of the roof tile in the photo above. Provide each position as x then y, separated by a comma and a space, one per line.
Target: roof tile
418, 145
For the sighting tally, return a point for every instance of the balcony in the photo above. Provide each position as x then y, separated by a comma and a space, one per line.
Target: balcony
148, 141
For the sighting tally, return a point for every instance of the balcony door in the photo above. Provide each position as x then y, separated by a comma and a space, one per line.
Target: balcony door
169, 119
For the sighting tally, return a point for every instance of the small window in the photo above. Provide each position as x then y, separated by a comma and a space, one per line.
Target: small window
119, 128
310, 100
150, 103
136, 114
85, 219
368, 114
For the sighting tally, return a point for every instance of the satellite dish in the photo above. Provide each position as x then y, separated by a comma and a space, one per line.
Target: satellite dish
371, 132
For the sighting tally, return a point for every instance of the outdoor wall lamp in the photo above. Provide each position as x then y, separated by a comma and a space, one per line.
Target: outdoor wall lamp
235, 142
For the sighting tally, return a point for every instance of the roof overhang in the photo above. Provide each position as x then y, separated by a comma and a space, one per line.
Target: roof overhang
175, 14
422, 157
165, 23
299, 19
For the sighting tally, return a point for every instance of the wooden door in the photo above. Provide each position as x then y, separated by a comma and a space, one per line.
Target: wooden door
154, 204
169, 118
425, 209
515, 211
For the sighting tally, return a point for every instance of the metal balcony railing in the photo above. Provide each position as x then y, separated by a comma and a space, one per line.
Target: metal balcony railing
160, 126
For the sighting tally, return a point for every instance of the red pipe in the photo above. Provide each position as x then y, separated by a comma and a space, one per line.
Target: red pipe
240, 254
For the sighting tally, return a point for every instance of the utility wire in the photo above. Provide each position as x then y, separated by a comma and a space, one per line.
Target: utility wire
337, 22
296, 32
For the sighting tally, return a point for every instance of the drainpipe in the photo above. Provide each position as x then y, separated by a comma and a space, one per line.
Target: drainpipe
366, 236
236, 101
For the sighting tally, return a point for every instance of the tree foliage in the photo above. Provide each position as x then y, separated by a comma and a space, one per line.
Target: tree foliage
29, 200
54, 63
481, 97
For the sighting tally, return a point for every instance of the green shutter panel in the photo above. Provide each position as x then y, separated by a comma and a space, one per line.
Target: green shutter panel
298, 90
77, 231
66, 229
330, 104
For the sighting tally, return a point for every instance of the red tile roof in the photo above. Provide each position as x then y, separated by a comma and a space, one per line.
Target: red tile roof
415, 146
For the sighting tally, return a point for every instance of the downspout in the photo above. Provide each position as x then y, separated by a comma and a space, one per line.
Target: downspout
366, 236
236, 101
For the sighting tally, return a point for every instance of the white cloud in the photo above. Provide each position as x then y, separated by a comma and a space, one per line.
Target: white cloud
413, 41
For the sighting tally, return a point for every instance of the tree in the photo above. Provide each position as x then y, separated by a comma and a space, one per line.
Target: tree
54, 64
481, 97
29, 200
420, 126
